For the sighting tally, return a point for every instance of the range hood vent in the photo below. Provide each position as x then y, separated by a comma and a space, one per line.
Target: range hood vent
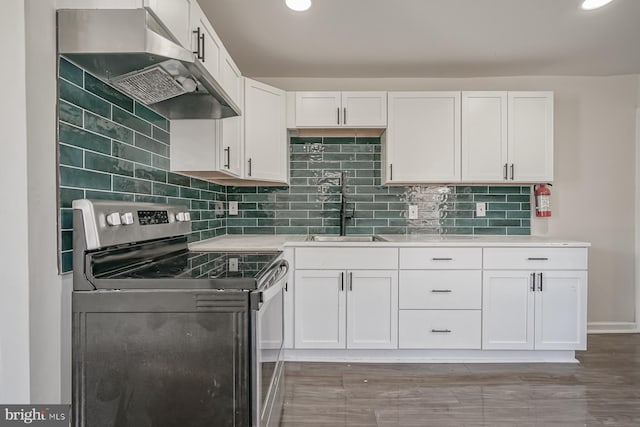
129, 50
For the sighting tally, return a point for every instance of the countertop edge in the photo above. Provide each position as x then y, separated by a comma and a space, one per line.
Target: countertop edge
258, 242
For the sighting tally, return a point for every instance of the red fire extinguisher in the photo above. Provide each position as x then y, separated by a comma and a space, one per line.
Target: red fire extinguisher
543, 200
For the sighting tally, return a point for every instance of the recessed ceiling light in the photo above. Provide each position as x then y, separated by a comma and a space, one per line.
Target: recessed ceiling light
594, 4
298, 5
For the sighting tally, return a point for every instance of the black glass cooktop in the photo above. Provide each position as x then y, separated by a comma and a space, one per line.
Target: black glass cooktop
201, 265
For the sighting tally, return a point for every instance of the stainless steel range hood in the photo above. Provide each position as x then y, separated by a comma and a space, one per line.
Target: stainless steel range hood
130, 51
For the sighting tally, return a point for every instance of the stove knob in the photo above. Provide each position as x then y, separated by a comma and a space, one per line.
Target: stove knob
114, 219
183, 216
127, 218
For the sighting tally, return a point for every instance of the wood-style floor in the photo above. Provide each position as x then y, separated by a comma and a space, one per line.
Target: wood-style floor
603, 390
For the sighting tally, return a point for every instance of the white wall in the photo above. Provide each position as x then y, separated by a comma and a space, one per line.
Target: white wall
45, 284
594, 188
14, 261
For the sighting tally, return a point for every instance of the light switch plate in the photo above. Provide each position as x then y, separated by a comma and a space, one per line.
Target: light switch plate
481, 209
233, 208
413, 211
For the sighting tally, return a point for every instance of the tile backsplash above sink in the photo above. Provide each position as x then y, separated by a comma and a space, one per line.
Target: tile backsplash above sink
311, 204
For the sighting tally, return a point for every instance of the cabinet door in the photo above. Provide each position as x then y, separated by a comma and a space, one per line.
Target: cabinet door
289, 301
265, 132
531, 136
230, 78
318, 109
561, 315
423, 137
174, 16
320, 317
364, 109
484, 136
372, 309
507, 310
210, 49
231, 147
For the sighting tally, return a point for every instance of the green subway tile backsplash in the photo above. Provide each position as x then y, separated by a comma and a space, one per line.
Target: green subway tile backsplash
312, 203
111, 147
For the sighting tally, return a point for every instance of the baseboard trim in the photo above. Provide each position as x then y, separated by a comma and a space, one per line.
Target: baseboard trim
430, 356
612, 328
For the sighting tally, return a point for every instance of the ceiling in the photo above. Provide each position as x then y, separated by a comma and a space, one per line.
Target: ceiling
428, 38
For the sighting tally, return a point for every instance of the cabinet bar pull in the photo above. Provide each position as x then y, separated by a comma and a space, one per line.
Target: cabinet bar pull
228, 153
344, 117
441, 331
338, 111
538, 259
441, 259
540, 282
441, 291
342, 282
512, 167
350, 280
391, 172
249, 166
199, 40
203, 44
506, 171
286, 286
533, 282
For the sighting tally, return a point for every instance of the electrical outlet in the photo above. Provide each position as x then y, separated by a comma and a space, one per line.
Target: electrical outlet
413, 211
233, 208
233, 264
481, 209
218, 208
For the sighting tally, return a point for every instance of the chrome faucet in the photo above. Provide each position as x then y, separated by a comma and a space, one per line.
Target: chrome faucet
344, 216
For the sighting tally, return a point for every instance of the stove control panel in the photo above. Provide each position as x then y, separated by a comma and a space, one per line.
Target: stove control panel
107, 222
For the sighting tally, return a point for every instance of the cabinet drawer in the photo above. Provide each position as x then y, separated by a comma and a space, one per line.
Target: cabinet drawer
535, 258
437, 289
441, 258
443, 329
347, 258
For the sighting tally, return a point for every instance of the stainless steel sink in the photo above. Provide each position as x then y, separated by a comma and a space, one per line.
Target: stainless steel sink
330, 238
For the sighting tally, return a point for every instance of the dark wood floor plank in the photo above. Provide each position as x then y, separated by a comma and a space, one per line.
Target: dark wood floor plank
603, 390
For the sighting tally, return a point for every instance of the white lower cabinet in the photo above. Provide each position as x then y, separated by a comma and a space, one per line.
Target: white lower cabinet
337, 309
320, 309
458, 301
541, 310
440, 329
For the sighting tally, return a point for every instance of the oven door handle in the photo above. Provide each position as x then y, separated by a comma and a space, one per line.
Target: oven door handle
275, 286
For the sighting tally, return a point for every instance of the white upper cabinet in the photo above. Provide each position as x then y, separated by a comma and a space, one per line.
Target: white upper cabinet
341, 109
484, 137
175, 16
266, 156
530, 130
205, 43
423, 138
231, 79
318, 109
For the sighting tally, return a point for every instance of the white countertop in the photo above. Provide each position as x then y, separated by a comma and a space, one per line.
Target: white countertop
270, 242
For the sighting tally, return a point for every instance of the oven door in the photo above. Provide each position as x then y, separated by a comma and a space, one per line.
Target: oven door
267, 342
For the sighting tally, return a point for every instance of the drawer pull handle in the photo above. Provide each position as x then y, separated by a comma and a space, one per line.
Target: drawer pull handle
538, 259
441, 331
441, 291
441, 259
